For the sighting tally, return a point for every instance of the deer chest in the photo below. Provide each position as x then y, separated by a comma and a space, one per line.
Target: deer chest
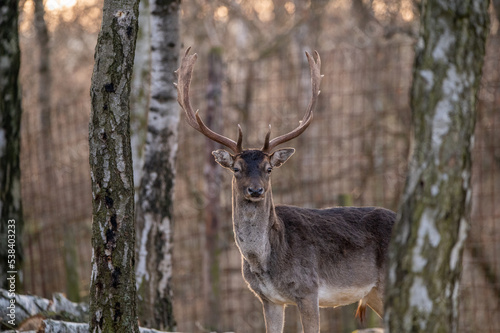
266, 287
262, 285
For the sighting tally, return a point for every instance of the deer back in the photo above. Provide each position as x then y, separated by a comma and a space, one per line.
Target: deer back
339, 244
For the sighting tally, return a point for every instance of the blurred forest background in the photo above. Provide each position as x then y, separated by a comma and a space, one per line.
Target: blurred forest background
354, 153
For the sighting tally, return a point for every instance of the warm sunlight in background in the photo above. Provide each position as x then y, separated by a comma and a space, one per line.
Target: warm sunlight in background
85, 13
54, 5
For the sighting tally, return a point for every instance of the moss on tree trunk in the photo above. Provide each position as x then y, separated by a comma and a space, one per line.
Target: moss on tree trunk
112, 292
429, 235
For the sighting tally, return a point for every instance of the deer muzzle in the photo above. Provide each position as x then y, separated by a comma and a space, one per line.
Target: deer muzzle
255, 192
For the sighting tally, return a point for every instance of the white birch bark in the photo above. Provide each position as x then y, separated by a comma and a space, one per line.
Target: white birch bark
139, 95
428, 238
155, 205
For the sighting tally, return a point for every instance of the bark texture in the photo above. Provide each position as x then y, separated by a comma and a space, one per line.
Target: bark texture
10, 123
155, 205
428, 238
112, 291
139, 99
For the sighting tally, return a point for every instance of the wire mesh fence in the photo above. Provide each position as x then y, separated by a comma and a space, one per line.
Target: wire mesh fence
354, 153
56, 201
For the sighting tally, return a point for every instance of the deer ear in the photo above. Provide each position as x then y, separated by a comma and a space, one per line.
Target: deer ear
223, 158
281, 156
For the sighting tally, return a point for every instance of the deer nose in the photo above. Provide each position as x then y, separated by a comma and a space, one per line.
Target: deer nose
255, 192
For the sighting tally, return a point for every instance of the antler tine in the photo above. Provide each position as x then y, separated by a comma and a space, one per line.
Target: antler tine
184, 74
266, 141
315, 68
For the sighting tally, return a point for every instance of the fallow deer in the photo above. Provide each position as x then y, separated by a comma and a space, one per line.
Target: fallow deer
290, 255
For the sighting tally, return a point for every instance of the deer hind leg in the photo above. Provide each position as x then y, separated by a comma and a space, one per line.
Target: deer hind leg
374, 299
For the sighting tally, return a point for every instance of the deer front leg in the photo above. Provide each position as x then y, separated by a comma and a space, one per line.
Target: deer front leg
274, 316
309, 314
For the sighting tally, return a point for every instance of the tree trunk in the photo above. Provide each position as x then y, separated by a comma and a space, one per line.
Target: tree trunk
155, 202
71, 263
11, 222
45, 155
112, 290
45, 78
212, 175
139, 99
496, 5
44, 110
428, 238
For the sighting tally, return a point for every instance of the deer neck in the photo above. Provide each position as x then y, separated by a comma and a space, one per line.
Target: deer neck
253, 224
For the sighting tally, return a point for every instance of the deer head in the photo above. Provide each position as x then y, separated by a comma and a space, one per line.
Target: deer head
251, 167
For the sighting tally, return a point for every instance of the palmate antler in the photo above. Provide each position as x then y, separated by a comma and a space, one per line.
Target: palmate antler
184, 74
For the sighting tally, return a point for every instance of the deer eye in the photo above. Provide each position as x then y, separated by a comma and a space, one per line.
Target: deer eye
236, 170
269, 170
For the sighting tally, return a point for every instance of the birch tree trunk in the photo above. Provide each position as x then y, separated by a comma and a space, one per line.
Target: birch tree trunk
10, 122
139, 98
428, 238
112, 290
155, 202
